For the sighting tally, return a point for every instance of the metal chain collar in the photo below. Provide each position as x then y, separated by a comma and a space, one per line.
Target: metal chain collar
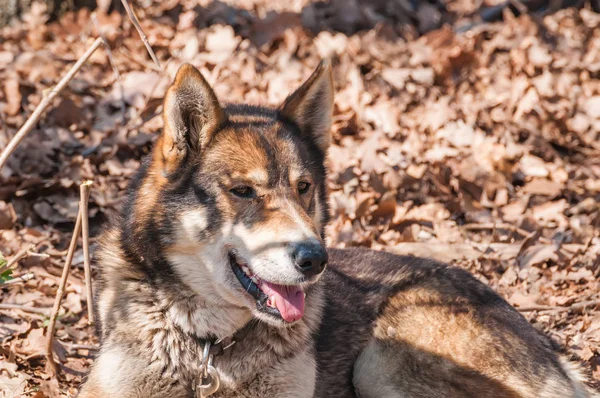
209, 376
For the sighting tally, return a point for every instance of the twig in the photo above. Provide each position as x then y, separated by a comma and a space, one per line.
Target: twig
137, 25
163, 72
143, 108
46, 101
508, 227
24, 252
84, 191
41, 311
522, 8
575, 306
59, 294
111, 61
147, 65
74, 347
18, 279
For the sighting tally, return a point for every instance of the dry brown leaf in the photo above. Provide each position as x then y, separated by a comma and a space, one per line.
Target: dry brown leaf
136, 87
386, 206
592, 107
521, 299
12, 387
539, 186
13, 96
6, 57
459, 134
221, 42
8, 216
396, 77
539, 56
538, 255
533, 166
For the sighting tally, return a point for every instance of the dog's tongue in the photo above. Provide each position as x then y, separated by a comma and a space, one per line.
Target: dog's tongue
289, 300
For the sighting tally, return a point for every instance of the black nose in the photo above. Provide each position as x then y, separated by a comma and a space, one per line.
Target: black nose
310, 258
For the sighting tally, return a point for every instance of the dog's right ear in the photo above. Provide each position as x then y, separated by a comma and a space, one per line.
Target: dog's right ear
192, 115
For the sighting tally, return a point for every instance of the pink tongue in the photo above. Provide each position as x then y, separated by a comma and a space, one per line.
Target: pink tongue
289, 300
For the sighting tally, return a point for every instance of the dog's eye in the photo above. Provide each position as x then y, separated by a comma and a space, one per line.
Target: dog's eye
303, 187
243, 191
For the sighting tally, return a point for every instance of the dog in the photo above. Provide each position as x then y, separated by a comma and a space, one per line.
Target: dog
216, 280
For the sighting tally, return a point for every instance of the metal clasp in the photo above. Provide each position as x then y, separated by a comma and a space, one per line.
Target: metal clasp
209, 376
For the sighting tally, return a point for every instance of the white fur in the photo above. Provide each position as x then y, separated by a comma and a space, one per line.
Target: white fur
268, 251
318, 216
114, 369
194, 221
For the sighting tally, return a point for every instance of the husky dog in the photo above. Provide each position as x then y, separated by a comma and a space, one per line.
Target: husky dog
218, 263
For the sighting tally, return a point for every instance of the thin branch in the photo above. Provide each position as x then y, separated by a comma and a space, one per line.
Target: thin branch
574, 306
73, 347
59, 294
24, 308
137, 25
111, 61
508, 227
24, 252
84, 190
46, 101
518, 4
141, 62
163, 73
18, 279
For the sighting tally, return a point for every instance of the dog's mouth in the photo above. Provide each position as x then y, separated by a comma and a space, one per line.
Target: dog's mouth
281, 301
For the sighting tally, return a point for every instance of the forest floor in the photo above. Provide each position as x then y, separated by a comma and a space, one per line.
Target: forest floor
472, 142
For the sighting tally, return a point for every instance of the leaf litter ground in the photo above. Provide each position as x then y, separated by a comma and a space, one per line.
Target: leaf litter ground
474, 143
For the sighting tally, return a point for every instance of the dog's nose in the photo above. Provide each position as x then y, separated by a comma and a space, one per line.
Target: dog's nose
310, 258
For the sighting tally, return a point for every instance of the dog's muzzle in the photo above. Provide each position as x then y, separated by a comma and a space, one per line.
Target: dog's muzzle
280, 301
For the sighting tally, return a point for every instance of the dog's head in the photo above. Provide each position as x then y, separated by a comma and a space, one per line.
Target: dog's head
239, 194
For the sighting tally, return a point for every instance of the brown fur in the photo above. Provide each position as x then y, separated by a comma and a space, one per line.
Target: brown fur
375, 325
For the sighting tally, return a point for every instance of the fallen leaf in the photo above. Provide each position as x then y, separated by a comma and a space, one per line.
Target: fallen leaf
543, 187
537, 255
458, 133
8, 216
592, 107
221, 42
13, 96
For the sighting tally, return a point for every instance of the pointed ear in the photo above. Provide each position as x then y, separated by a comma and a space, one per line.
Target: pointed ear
311, 106
192, 115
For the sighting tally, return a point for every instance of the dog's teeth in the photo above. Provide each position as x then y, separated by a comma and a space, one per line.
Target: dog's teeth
272, 300
245, 269
253, 279
304, 294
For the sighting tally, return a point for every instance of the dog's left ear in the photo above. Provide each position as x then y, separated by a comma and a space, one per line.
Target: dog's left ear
311, 106
192, 115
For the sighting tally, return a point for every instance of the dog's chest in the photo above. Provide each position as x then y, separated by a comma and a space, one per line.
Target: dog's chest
257, 365
292, 376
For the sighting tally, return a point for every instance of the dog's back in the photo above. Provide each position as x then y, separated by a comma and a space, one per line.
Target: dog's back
410, 327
